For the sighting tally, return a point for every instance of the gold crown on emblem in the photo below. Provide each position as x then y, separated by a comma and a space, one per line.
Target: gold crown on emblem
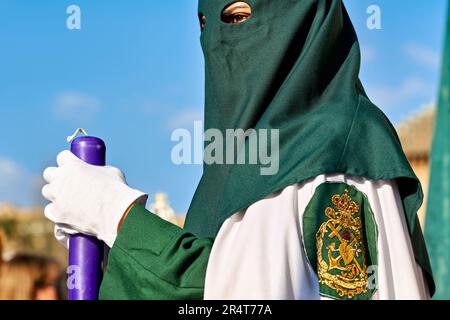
345, 204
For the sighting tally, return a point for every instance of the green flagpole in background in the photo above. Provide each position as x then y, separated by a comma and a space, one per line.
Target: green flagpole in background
437, 229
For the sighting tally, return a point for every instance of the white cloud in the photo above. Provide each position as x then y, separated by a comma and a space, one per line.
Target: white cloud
185, 119
74, 105
10, 172
17, 185
368, 54
423, 55
390, 96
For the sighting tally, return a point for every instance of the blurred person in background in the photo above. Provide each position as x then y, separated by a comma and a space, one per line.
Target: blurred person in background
61, 286
29, 277
2, 239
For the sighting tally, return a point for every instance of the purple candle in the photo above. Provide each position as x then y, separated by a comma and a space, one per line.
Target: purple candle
86, 253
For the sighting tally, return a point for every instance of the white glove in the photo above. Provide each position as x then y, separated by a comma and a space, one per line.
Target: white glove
87, 199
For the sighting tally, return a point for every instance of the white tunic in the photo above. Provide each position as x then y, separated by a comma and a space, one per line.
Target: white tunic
259, 253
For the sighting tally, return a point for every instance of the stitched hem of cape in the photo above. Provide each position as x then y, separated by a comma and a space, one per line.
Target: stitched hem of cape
334, 298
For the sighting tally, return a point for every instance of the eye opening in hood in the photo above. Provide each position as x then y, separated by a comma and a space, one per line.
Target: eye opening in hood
236, 12
202, 19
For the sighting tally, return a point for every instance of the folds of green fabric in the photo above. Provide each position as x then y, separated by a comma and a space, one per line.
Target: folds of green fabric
153, 259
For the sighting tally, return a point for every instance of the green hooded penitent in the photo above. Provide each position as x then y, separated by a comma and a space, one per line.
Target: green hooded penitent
438, 209
294, 66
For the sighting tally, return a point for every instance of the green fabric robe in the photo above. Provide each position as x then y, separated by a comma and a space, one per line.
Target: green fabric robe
154, 259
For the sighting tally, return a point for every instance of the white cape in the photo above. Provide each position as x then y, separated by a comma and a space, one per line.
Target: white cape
259, 252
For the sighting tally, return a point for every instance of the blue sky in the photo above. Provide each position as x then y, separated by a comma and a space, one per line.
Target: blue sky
134, 72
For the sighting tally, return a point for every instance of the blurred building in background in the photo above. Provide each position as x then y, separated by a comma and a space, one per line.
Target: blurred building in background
416, 136
28, 231
161, 207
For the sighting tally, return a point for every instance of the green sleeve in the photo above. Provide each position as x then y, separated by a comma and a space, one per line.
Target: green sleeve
154, 259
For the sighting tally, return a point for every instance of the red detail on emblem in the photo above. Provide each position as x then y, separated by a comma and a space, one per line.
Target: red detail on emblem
346, 235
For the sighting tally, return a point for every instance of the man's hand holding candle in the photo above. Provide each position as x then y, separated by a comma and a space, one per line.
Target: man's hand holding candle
87, 199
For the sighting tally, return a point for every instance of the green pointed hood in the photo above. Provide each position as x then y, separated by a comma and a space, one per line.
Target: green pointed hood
294, 66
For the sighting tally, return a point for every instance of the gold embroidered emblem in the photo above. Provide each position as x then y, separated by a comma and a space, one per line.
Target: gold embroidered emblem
341, 254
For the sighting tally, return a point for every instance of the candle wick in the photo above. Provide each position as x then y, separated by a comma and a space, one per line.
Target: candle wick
77, 132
